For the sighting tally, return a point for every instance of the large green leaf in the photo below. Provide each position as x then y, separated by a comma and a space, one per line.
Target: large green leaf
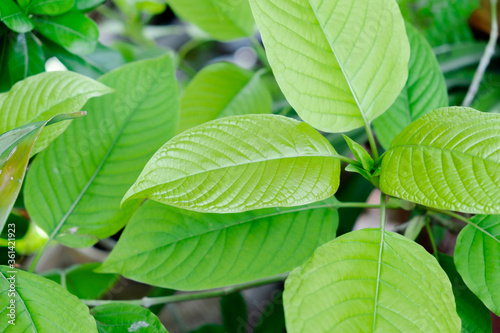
221, 90
40, 305
448, 159
425, 91
26, 57
14, 18
188, 250
362, 282
86, 171
74, 31
50, 7
15, 149
119, 318
222, 19
476, 259
340, 63
474, 315
76, 280
41, 97
241, 163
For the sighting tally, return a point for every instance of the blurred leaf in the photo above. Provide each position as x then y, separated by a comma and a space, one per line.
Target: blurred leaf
26, 57
424, 91
457, 56
222, 19
220, 90
87, 170
14, 17
78, 278
273, 316
152, 7
49, 7
15, 149
88, 5
62, 92
234, 312
41, 306
475, 316
415, 226
210, 329
192, 251
74, 31
120, 318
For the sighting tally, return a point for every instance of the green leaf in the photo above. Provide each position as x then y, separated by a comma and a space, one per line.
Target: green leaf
62, 92
15, 149
210, 329
221, 90
187, 250
353, 285
40, 305
87, 170
222, 19
152, 7
14, 18
234, 312
74, 31
76, 280
26, 57
50, 7
425, 91
476, 258
272, 161
475, 316
360, 154
448, 159
415, 226
119, 318
88, 5
273, 316
340, 63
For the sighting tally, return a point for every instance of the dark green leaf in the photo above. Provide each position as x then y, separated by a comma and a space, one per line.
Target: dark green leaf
14, 17
273, 316
475, 316
120, 318
210, 329
234, 312
26, 57
73, 31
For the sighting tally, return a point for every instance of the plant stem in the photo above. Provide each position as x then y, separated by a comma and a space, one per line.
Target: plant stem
150, 301
348, 160
486, 58
261, 52
371, 140
431, 238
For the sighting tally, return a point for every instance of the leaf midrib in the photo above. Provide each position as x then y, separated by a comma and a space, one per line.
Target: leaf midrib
239, 223
135, 195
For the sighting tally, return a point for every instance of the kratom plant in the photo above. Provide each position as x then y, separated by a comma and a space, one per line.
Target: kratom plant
215, 191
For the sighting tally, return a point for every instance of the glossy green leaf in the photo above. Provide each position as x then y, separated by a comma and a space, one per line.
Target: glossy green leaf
88, 5
340, 63
234, 312
474, 315
62, 92
352, 285
222, 19
476, 258
119, 318
15, 149
41, 305
448, 159
50, 7
14, 18
221, 90
241, 163
74, 31
26, 57
76, 280
87, 170
425, 91
174, 248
